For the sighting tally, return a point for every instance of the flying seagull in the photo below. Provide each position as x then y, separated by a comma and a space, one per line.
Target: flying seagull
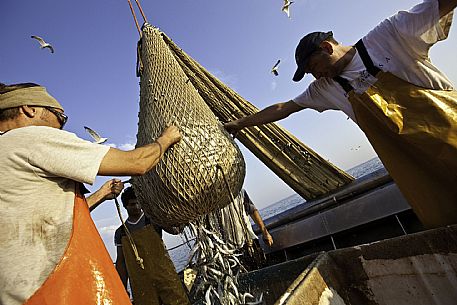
285, 7
95, 136
43, 44
274, 70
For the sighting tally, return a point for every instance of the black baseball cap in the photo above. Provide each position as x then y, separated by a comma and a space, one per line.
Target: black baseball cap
305, 48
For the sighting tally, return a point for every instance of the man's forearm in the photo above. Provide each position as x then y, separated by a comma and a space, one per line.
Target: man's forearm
258, 220
109, 190
95, 199
266, 235
144, 158
270, 114
137, 161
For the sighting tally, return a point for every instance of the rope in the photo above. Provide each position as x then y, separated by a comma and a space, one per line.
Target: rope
134, 17
139, 260
141, 10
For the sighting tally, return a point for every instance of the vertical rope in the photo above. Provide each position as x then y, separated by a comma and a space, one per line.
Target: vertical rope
134, 17
141, 10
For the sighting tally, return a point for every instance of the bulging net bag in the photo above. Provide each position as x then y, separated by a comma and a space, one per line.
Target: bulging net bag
197, 175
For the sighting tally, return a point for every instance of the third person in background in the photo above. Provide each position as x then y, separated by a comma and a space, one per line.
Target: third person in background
156, 283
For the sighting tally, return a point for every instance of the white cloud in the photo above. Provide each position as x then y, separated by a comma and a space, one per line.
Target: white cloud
124, 146
274, 84
108, 229
127, 146
229, 80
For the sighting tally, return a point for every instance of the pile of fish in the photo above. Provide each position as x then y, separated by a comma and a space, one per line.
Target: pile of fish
218, 268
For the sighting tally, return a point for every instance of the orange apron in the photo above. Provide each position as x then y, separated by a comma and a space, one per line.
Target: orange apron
85, 274
414, 132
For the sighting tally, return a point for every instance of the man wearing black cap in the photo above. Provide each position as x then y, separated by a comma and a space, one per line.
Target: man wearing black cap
387, 84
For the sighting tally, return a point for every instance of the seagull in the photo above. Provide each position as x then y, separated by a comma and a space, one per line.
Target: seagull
43, 44
285, 7
274, 70
95, 136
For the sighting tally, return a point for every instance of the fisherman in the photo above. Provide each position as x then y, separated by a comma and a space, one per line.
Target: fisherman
238, 231
51, 250
158, 283
404, 104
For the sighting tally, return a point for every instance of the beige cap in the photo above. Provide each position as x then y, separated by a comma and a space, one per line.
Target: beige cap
31, 96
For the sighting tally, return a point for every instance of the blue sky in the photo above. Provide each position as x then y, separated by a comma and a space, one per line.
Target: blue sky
92, 72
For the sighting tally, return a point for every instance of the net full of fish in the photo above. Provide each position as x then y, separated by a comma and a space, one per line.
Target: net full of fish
189, 180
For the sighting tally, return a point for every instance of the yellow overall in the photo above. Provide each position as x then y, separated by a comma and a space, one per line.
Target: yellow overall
414, 132
158, 283
85, 273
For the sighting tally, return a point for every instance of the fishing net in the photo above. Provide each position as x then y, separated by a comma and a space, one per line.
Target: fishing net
197, 175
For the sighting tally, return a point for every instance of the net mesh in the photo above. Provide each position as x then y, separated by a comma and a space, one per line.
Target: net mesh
189, 180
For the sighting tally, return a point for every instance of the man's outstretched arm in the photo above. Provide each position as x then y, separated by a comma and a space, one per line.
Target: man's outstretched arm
270, 114
139, 160
109, 190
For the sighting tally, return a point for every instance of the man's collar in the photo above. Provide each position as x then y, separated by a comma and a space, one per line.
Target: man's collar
136, 221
